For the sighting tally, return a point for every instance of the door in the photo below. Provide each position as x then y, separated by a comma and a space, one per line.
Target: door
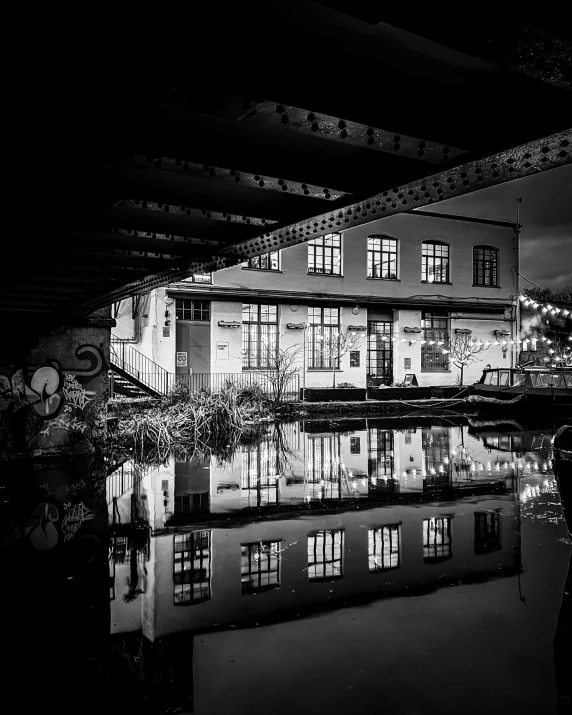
193, 350
379, 353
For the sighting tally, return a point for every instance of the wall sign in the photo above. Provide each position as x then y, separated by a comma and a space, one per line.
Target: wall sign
407, 363
411, 379
354, 358
222, 351
181, 359
167, 332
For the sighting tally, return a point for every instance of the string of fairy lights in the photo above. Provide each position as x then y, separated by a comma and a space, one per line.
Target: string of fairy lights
546, 310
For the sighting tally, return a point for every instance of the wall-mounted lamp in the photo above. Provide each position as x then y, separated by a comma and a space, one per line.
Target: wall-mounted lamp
501, 332
463, 331
355, 309
411, 330
228, 324
357, 328
295, 326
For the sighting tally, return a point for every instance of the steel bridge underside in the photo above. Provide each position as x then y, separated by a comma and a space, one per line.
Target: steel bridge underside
184, 144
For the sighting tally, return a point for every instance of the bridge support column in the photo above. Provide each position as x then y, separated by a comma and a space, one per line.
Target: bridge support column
54, 390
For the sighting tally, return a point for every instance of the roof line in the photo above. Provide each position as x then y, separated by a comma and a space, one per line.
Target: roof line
470, 219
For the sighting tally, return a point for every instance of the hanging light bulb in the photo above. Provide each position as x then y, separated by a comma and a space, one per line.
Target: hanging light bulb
488, 342
549, 307
522, 297
413, 341
431, 342
445, 352
565, 312
535, 305
504, 342
404, 340
423, 342
512, 342
393, 340
497, 342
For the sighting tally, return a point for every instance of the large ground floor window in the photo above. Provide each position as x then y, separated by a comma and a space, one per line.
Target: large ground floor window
259, 335
435, 330
379, 352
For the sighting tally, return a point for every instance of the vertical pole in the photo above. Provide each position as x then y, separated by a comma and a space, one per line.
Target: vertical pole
517, 279
304, 367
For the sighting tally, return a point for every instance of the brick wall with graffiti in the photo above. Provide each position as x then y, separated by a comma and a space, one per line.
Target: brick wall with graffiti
56, 399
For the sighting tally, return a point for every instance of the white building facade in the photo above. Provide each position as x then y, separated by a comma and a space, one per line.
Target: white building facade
406, 285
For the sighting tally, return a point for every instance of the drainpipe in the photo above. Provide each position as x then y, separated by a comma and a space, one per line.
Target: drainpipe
517, 279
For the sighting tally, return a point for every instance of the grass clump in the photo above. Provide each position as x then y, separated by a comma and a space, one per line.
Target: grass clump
204, 420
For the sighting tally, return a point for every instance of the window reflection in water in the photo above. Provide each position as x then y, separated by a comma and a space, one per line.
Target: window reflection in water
437, 539
383, 548
325, 555
260, 566
192, 567
487, 532
380, 462
259, 474
324, 467
435, 461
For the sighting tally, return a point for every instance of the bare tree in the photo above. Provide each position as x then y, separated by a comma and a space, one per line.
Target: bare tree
281, 368
337, 344
464, 351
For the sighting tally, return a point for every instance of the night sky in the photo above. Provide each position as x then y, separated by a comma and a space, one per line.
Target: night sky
546, 218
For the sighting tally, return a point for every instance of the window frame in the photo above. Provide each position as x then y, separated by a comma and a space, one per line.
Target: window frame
377, 538
316, 331
381, 252
327, 550
197, 308
189, 539
443, 261
248, 265
265, 552
436, 333
434, 552
256, 336
494, 269
320, 242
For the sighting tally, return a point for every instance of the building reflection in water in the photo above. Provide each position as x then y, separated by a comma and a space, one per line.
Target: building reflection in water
304, 517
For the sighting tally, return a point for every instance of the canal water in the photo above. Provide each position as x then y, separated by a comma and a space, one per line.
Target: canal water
358, 566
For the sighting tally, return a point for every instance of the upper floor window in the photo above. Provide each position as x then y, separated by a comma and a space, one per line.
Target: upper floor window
435, 262
265, 262
325, 254
381, 257
259, 335
187, 309
485, 266
200, 278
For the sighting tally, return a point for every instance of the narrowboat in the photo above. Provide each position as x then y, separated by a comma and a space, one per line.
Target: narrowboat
524, 387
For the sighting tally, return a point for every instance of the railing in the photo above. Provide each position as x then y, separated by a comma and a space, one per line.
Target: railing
148, 373
139, 366
216, 381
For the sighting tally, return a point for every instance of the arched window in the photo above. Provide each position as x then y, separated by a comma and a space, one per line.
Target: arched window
485, 266
435, 262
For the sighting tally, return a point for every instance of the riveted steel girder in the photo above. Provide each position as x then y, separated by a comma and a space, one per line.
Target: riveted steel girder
335, 129
525, 160
255, 181
348, 132
185, 211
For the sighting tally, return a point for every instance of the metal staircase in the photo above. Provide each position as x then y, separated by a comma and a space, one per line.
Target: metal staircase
134, 374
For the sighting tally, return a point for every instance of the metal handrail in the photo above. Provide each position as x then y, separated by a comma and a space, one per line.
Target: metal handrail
139, 366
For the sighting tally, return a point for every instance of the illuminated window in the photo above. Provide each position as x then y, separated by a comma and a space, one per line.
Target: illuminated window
379, 352
381, 257
487, 532
435, 329
325, 255
324, 325
265, 262
437, 539
259, 474
325, 555
485, 262
192, 567
383, 548
435, 262
187, 309
260, 566
259, 335
324, 467
355, 445
200, 278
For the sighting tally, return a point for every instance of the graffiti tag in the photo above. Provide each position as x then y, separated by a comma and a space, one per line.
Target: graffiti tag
66, 422
74, 518
75, 394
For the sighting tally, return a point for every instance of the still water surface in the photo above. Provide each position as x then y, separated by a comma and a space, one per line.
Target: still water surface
357, 566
